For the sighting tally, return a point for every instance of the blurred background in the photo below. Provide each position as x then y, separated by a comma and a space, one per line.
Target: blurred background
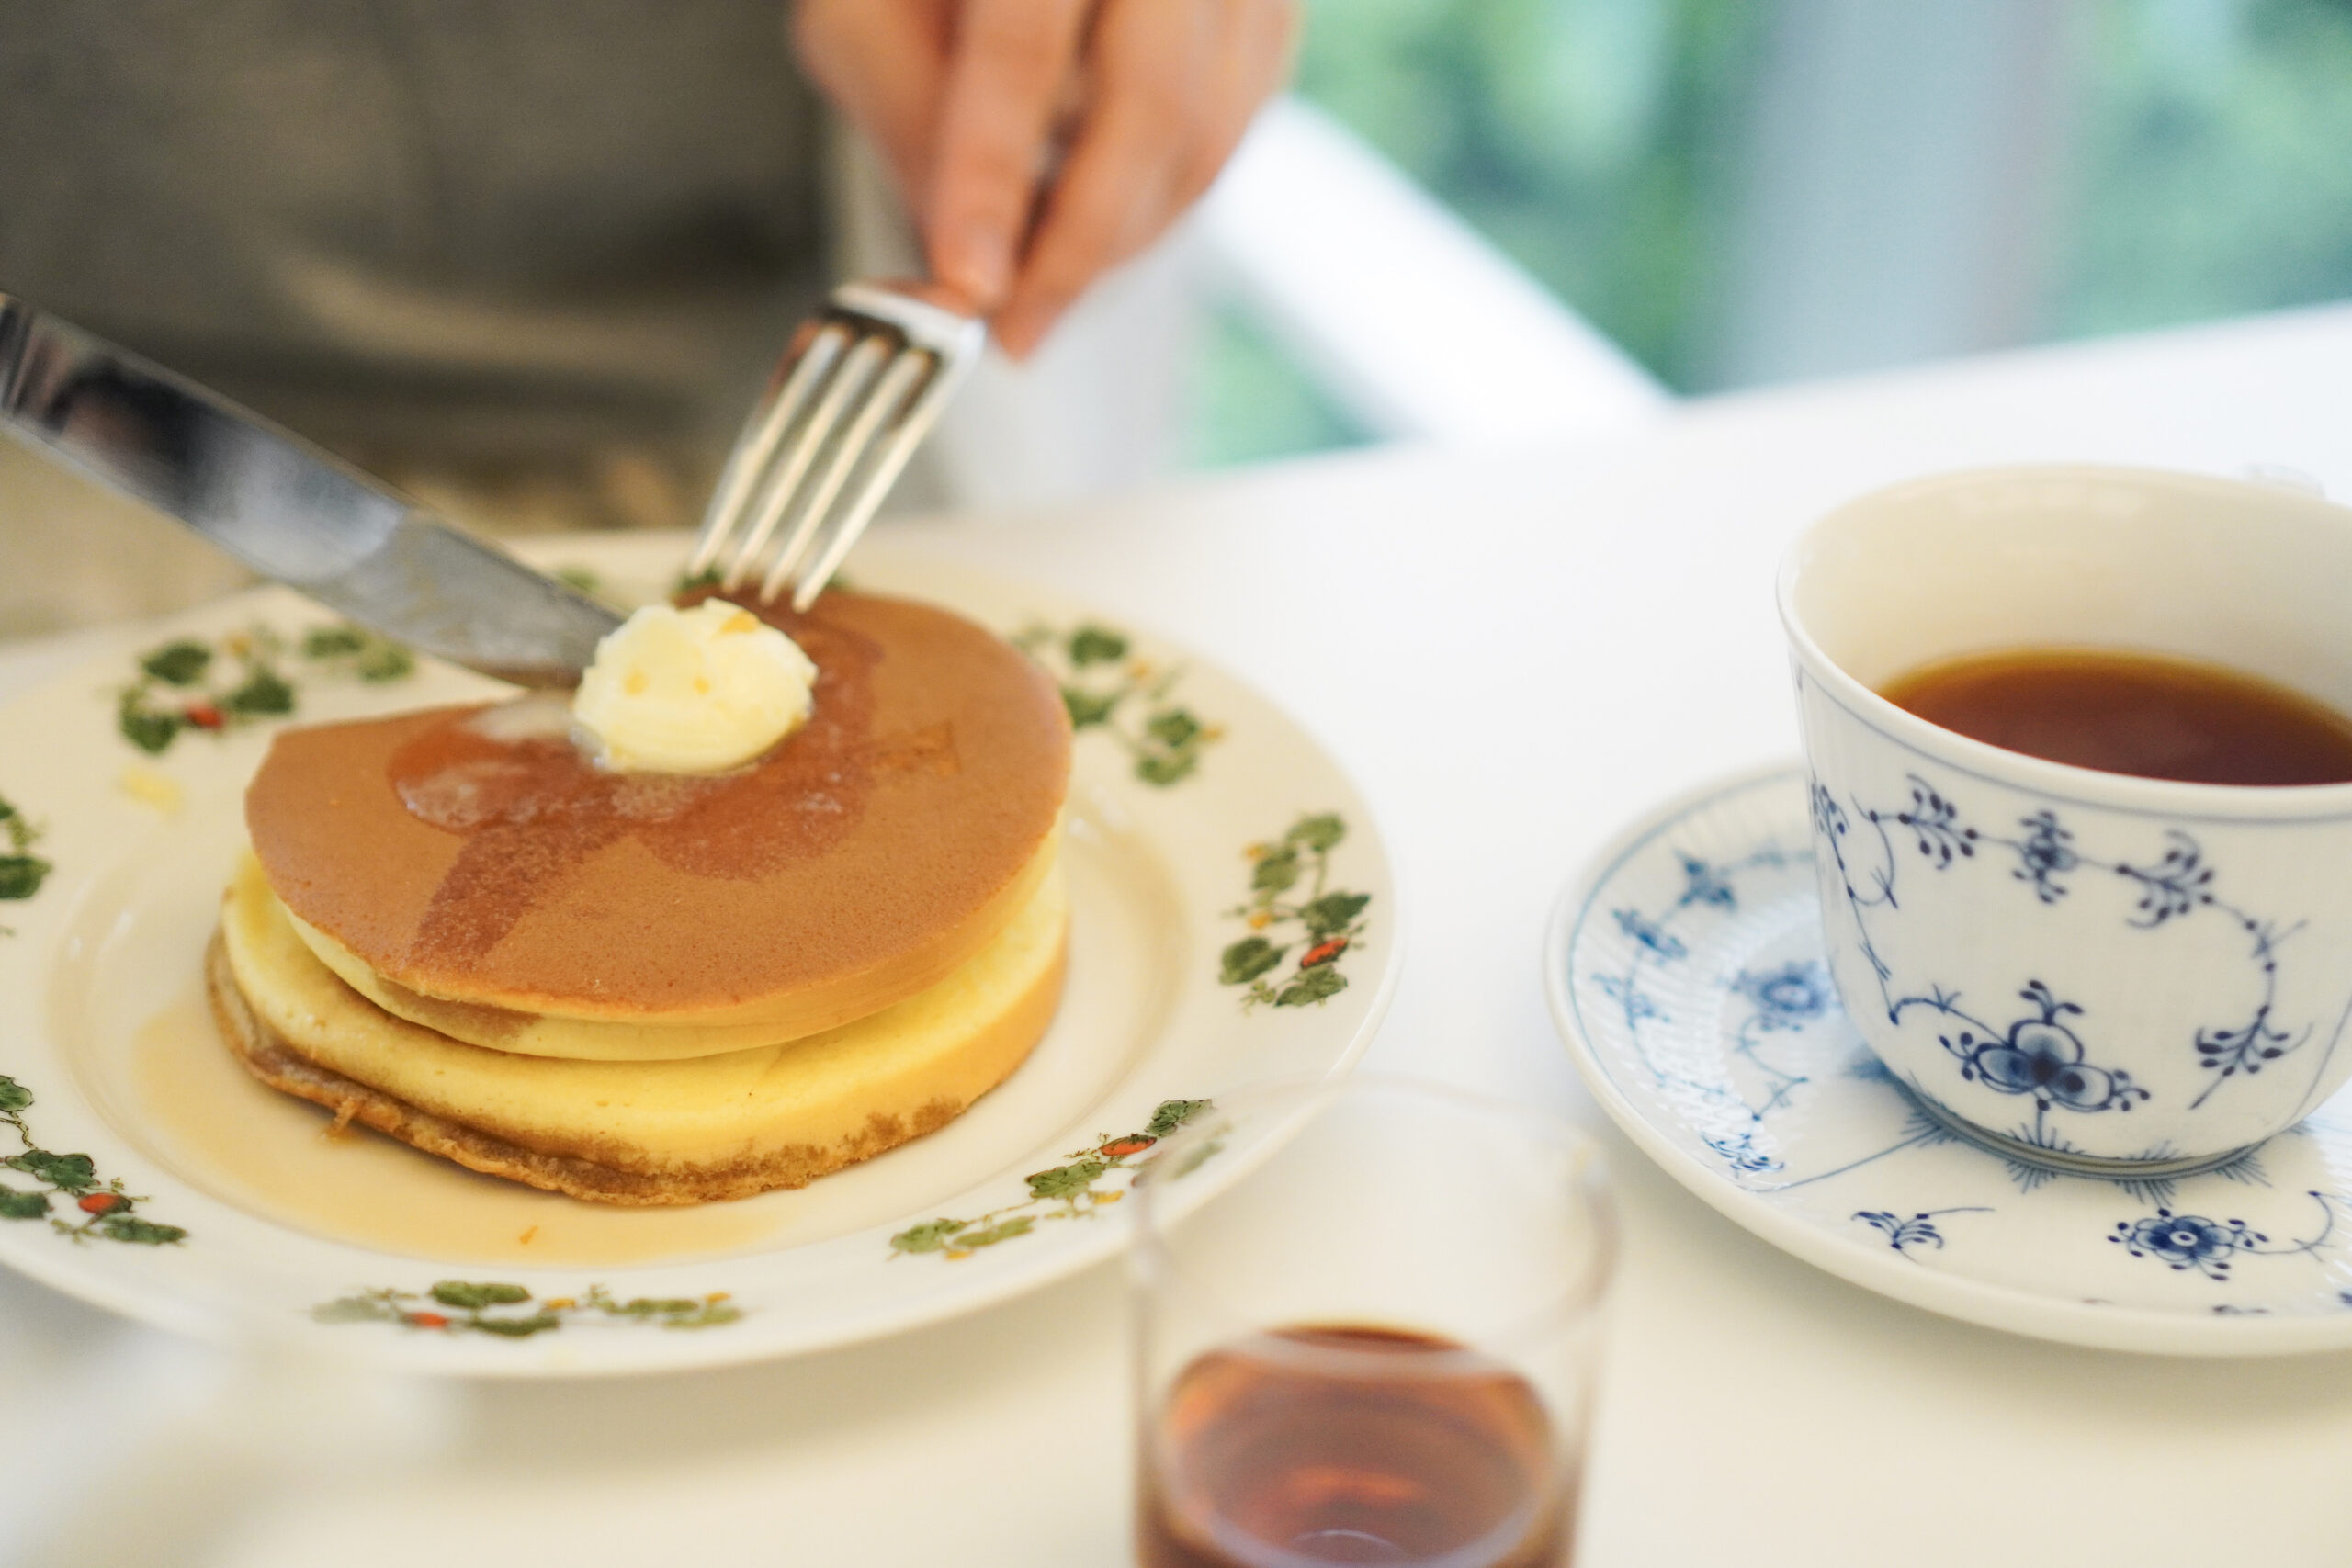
1743, 192
1482, 221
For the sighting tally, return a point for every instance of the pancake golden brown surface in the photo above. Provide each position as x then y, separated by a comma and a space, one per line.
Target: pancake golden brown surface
861, 861
636, 1132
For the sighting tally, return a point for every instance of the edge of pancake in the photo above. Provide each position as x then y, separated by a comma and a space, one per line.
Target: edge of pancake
637, 1038
273, 1059
270, 1057
604, 1162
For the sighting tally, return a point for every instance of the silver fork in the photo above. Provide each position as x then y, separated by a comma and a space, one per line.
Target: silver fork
862, 383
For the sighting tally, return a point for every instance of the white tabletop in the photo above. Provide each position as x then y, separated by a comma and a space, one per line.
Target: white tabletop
1514, 651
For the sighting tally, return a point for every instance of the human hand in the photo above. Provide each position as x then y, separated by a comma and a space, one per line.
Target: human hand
970, 101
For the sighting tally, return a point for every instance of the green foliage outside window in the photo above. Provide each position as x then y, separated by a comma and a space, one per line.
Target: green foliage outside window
1600, 143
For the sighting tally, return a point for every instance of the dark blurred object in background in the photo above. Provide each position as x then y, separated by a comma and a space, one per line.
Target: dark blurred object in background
431, 234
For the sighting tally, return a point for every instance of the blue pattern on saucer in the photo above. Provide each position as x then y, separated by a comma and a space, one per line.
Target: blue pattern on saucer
1691, 981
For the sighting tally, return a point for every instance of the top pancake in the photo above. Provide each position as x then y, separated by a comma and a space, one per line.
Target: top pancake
863, 859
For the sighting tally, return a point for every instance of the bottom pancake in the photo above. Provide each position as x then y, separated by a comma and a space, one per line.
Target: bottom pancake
636, 1132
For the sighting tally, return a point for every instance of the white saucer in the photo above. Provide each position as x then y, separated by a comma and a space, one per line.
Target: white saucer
1233, 918
1685, 971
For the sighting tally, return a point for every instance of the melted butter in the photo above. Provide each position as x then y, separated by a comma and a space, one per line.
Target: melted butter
272, 1155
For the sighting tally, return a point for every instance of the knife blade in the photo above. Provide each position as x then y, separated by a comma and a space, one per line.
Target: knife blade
284, 507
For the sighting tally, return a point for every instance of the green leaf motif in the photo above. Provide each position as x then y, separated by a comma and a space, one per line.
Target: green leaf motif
375, 1308
20, 876
1086, 709
1247, 959
716, 1314
1277, 869
1160, 768
330, 642
150, 732
264, 692
1019, 1226
1069, 1187
1332, 913
1331, 919
74, 1176
1096, 645
138, 1232
1104, 687
1320, 834
478, 1303
1062, 1182
1316, 985
386, 661
1173, 1114
929, 1237
72, 1173
1198, 1158
177, 663
468, 1296
1172, 726
220, 686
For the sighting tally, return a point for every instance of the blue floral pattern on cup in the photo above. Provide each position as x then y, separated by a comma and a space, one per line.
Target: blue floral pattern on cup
2044, 1054
2040, 1055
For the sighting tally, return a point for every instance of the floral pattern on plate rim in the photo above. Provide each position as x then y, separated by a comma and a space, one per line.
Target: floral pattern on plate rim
462, 1306
1329, 919
1069, 1191
21, 871
1110, 690
108, 1211
181, 684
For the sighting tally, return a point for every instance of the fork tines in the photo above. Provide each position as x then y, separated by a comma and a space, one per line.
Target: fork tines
864, 381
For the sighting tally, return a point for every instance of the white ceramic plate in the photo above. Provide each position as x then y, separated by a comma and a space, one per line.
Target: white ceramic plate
1685, 971
145, 1173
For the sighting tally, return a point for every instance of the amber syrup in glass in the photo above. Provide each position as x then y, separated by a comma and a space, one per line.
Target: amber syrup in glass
1407, 1449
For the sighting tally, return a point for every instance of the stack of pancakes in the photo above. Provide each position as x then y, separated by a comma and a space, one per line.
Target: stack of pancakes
652, 988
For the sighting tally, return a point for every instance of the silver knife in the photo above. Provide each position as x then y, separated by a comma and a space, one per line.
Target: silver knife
285, 508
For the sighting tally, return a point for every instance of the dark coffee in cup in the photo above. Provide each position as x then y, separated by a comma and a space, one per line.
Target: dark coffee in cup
2150, 715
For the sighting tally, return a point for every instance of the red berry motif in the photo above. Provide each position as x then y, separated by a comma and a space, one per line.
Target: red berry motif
103, 1202
1323, 953
1133, 1143
204, 716
427, 1320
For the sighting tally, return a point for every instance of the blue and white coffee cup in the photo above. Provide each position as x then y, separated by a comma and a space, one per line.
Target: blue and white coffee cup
2087, 970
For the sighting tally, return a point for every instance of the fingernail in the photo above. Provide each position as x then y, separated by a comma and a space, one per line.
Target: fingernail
1017, 334
981, 263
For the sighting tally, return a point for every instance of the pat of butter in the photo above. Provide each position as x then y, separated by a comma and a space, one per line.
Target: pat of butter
695, 691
